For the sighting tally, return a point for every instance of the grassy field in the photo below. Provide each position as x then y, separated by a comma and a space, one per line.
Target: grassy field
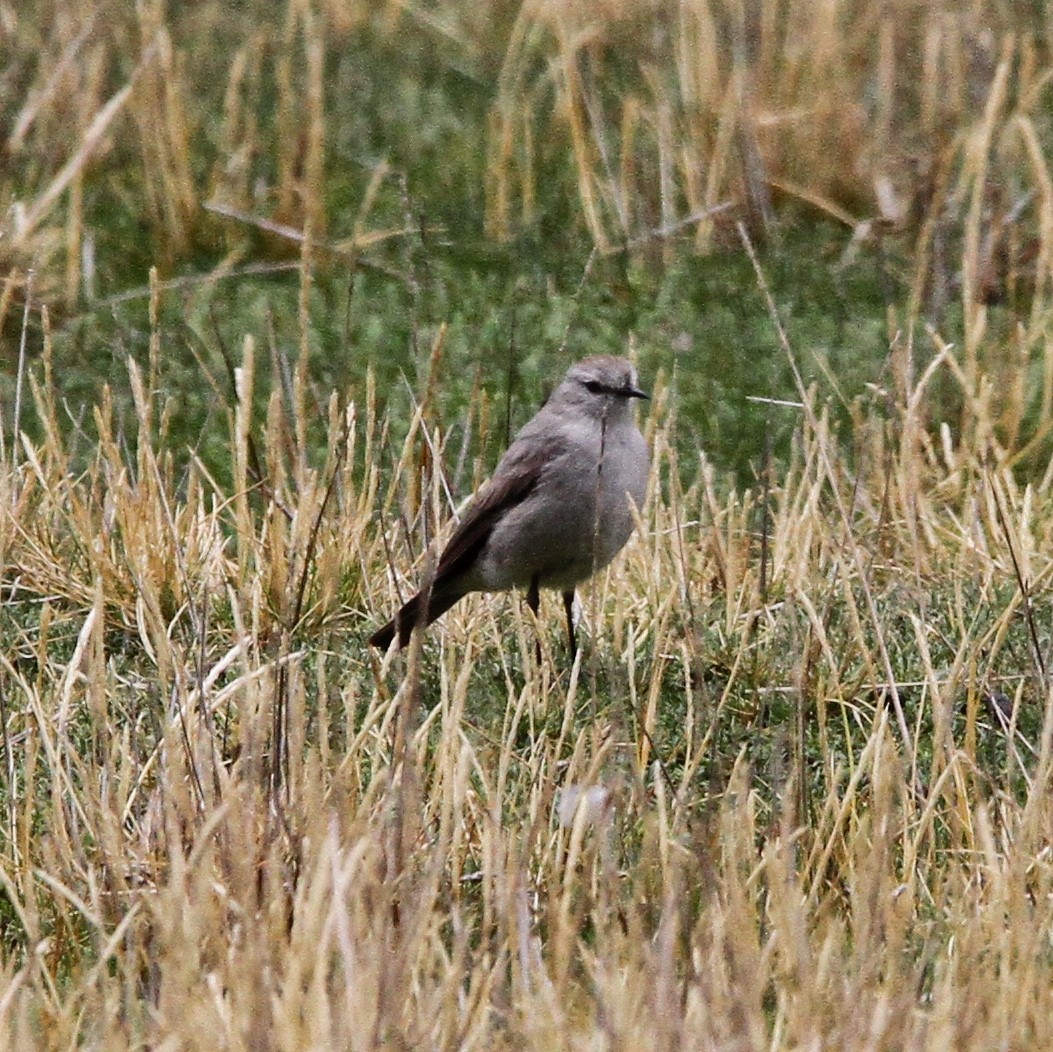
280, 280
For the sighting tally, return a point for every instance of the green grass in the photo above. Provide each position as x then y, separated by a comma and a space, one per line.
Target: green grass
509, 325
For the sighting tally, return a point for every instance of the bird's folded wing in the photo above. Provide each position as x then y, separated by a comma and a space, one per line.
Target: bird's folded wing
515, 479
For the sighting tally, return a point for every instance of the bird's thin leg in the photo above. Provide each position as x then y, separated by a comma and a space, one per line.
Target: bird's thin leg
568, 606
534, 602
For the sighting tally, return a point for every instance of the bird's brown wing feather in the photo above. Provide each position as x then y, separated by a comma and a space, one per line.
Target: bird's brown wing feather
514, 481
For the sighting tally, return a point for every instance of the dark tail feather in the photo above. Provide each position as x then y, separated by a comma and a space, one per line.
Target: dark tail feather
408, 618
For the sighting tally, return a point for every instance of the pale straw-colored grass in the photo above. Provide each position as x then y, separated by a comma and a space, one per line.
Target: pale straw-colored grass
229, 825
811, 724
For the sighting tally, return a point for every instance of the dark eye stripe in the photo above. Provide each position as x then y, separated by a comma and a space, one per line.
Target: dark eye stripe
596, 387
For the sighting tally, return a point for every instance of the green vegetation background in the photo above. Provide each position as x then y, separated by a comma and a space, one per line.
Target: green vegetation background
516, 312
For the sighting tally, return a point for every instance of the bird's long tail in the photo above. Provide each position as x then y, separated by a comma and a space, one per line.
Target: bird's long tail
410, 616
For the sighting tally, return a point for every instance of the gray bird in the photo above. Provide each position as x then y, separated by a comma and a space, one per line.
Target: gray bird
558, 507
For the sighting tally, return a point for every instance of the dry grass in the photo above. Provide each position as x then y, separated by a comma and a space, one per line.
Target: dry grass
811, 725
228, 825
920, 119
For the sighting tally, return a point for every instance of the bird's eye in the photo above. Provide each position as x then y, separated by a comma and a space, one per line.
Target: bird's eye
595, 387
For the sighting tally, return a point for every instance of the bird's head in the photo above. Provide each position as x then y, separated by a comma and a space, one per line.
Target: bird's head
602, 384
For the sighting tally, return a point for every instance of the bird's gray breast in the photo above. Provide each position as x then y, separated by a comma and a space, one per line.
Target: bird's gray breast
577, 517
